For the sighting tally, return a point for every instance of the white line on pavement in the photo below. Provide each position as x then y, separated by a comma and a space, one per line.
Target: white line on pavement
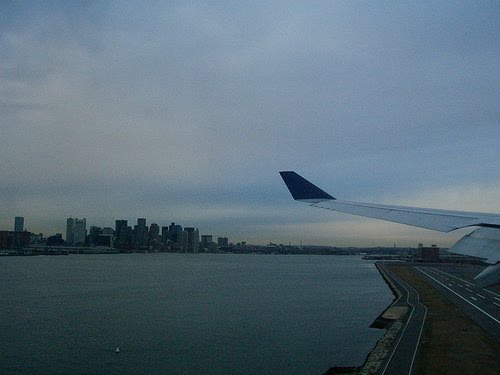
469, 302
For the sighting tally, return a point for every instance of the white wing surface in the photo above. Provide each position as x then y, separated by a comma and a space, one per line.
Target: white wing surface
483, 243
440, 220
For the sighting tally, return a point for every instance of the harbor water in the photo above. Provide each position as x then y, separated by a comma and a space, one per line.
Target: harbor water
187, 313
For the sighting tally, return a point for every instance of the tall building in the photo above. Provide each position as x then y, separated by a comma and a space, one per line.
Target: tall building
76, 230
18, 224
80, 231
193, 239
164, 234
141, 233
154, 236
120, 228
121, 233
94, 233
174, 232
154, 231
182, 241
70, 230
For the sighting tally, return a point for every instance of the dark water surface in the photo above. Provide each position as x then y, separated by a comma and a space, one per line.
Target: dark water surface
187, 313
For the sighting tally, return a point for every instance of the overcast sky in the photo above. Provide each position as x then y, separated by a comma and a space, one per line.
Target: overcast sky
185, 111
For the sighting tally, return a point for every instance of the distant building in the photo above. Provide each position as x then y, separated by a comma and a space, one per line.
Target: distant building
70, 230
55, 240
21, 239
174, 232
80, 231
154, 236
94, 233
6, 239
122, 234
193, 239
429, 254
106, 237
223, 241
206, 240
76, 231
164, 234
108, 231
18, 224
36, 239
141, 233
182, 240
154, 232
120, 228
104, 240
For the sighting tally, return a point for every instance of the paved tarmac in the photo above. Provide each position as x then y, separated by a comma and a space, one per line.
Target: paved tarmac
401, 358
480, 304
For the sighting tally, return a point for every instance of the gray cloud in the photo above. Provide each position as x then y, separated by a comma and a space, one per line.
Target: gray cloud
187, 110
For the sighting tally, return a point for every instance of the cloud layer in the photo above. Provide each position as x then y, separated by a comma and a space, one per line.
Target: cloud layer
186, 111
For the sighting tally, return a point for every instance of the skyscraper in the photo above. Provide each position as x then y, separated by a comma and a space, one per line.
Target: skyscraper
121, 231
18, 224
193, 239
154, 231
174, 232
164, 234
76, 230
141, 232
70, 230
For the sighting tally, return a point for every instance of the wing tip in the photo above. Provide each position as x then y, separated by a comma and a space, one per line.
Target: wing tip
302, 189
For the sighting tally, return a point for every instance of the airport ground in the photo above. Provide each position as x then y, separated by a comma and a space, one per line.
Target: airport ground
456, 332
452, 342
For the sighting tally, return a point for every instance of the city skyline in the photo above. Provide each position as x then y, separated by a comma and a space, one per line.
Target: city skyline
76, 229
187, 111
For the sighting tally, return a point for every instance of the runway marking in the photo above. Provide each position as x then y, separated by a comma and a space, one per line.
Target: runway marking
469, 290
475, 299
456, 277
496, 304
489, 291
460, 285
466, 300
435, 270
479, 295
450, 284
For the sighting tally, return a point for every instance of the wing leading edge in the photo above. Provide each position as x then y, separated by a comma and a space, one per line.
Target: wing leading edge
483, 242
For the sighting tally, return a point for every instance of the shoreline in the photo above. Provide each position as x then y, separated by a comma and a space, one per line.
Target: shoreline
391, 319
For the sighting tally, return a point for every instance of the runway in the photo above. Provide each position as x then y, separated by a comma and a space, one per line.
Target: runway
454, 283
480, 304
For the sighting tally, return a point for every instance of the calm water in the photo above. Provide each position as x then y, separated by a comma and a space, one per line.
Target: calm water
187, 313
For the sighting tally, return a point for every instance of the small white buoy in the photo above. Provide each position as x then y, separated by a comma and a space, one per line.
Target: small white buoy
117, 350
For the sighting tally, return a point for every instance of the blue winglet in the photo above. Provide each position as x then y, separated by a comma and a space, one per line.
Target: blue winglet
301, 189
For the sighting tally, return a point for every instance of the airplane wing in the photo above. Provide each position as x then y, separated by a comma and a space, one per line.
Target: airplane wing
483, 242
